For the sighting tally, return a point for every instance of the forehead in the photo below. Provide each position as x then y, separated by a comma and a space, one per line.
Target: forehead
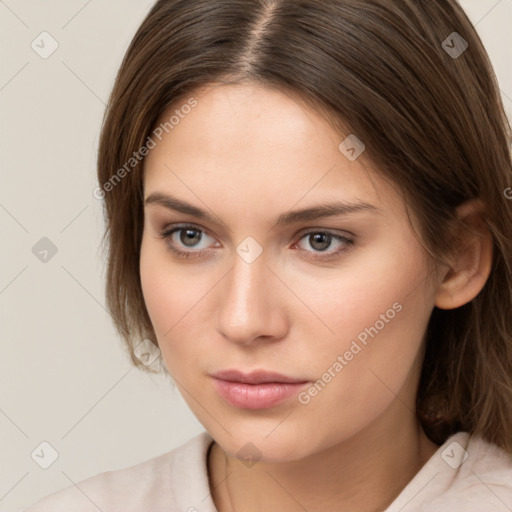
254, 141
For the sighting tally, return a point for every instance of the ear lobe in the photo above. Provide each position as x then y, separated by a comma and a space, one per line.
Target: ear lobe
472, 261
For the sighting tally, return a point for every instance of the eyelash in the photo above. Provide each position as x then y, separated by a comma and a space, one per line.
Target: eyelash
168, 232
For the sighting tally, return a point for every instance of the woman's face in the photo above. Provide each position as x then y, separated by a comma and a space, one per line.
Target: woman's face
339, 303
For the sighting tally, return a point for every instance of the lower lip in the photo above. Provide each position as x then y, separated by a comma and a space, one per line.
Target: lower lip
256, 396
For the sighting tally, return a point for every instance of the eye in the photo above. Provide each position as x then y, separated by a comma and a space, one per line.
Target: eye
185, 236
179, 237
320, 241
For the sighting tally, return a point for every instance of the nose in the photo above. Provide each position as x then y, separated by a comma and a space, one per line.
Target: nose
251, 304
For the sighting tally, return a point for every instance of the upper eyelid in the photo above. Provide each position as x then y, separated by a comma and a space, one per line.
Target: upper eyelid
184, 225
172, 228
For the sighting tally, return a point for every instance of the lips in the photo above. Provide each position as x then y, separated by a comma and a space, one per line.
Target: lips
256, 377
256, 390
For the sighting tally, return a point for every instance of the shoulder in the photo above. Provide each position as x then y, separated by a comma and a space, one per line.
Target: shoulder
155, 484
479, 475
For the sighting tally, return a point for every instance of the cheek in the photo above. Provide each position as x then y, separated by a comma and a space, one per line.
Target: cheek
164, 291
377, 315
372, 282
173, 296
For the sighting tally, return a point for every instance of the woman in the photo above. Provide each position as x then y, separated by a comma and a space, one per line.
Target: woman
308, 218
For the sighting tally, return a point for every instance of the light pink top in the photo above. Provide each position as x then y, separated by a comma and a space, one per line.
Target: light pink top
466, 474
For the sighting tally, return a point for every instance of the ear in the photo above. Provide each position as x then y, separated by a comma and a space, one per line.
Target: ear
472, 259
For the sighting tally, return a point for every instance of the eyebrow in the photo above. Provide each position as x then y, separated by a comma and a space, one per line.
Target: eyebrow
331, 209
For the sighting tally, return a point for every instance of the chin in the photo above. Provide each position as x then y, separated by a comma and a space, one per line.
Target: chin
263, 443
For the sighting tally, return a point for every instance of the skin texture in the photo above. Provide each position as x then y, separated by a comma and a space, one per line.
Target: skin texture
248, 154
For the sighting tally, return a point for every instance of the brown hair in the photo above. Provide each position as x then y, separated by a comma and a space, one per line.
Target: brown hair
432, 121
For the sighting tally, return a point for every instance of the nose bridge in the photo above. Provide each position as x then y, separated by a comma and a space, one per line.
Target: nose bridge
246, 286
248, 307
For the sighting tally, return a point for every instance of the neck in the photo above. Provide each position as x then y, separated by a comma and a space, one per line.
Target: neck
363, 473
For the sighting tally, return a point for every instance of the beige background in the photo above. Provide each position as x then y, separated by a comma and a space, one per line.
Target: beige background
64, 377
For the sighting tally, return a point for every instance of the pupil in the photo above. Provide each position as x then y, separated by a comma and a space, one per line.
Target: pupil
191, 234
318, 237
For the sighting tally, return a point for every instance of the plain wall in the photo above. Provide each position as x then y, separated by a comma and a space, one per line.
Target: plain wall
64, 376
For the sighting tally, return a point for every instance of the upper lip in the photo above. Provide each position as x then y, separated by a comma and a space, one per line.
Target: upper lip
255, 377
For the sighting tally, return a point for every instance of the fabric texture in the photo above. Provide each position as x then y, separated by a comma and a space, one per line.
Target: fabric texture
466, 474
